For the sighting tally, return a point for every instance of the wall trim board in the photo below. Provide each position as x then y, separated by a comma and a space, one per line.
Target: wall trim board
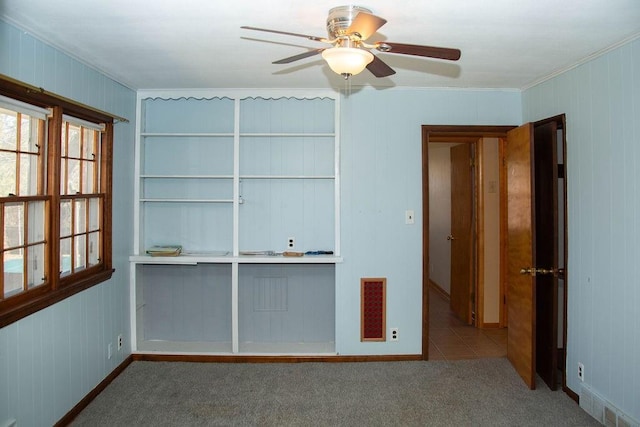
572, 394
69, 416
495, 325
439, 289
203, 358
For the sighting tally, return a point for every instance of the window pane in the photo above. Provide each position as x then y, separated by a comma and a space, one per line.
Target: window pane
13, 225
94, 249
89, 144
28, 175
13, 272
25, 132
80, 252
35, 266
74, 141
65, 218
65, 257
87, 178
8, 129
36, 221
73, 177
94, 214
80, 216
7, 174
32, 142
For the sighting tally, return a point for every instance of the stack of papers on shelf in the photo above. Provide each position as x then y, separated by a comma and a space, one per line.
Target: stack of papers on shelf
168, 250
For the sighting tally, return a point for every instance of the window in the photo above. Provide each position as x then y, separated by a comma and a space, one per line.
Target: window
55, 200
80, 197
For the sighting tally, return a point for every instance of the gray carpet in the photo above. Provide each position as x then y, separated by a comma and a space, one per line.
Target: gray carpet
481, 392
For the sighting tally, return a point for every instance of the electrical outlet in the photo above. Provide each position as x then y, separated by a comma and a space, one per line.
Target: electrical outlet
109, 350
119, 342
580, 371
291, 242
394, 334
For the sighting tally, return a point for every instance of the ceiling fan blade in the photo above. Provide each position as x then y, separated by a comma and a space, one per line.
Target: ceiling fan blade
418, 50
286, 33
298, 56
365, 24
379, 68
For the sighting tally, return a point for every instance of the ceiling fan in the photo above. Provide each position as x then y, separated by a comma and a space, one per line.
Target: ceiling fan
349, 27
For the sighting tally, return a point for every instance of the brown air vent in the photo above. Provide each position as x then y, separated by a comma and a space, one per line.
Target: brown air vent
373, 310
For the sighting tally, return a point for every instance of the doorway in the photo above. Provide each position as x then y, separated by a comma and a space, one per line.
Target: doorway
452, 193
470, 135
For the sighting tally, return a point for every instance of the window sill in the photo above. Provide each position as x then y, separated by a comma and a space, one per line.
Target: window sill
13, 313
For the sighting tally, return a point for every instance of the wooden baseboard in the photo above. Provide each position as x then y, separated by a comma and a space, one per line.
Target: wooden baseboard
439, 290
69, 416
271, 359
572, 394
490, 326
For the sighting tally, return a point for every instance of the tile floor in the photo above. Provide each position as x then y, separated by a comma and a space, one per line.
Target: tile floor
451, 339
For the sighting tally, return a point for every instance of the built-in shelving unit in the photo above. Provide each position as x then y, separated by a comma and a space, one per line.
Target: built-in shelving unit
223, 174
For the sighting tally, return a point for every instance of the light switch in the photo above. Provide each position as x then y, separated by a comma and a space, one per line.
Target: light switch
408, 217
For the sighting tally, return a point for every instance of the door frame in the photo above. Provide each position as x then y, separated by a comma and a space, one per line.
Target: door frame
460, 134
457, 133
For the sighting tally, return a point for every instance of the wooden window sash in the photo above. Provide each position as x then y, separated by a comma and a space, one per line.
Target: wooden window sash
48, 185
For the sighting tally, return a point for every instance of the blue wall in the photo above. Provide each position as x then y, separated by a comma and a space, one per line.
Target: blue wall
601, 100
53, 358
381, 146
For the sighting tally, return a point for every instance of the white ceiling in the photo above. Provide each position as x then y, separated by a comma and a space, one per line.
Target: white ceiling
199, 44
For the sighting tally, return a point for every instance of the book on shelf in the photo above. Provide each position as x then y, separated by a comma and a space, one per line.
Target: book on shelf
165, 250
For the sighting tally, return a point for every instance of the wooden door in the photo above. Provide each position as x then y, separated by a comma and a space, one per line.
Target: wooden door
520, 253
462, 282
546, 251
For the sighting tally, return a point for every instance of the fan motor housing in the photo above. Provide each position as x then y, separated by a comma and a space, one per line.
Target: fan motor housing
340, 19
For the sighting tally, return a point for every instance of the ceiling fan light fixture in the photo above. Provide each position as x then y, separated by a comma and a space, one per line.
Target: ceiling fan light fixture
347, 61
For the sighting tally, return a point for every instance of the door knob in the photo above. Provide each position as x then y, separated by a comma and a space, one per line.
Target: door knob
450, 237
533, 271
